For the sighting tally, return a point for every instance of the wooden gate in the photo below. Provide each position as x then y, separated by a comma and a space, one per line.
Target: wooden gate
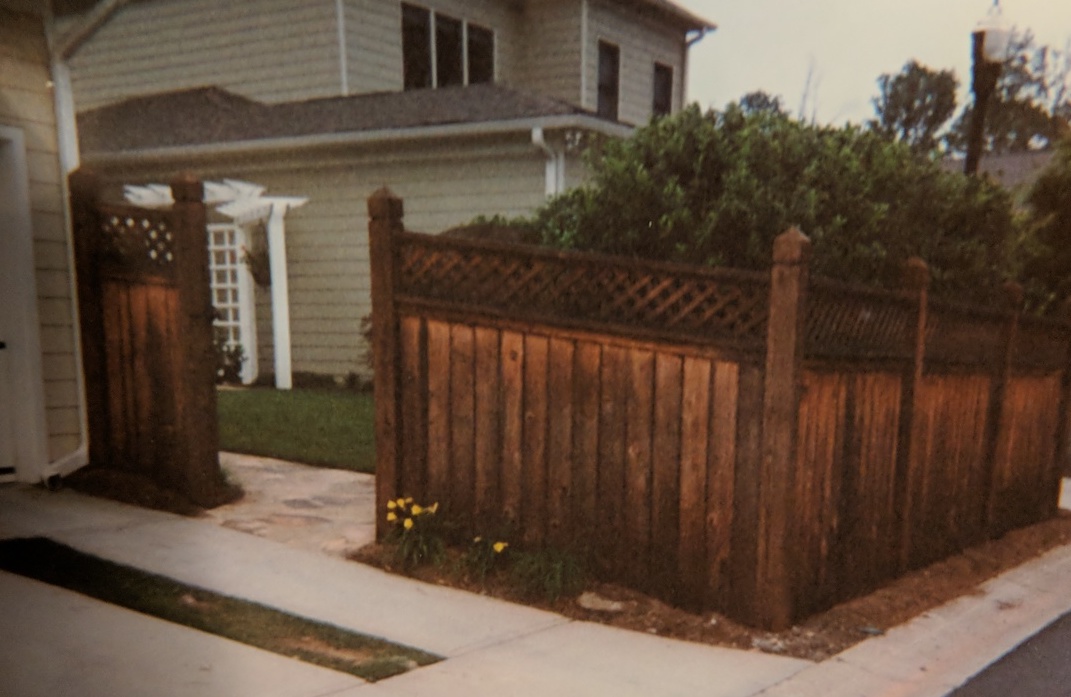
146, 320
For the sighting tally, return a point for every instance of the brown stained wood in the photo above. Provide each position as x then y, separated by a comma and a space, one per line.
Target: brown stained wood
638, 461
695, 440
534, 494
612, 554
462, 424
666, 474
439, 415
488, 425
140, 373
412, 462
742, 592
586, 403
115, 303
512, 426
560, 504
720, 484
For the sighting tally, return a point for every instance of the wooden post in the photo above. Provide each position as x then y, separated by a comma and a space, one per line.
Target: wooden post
85, 195
917, 285
197, 445
995, 410
385, 213
1060, 465
776, 607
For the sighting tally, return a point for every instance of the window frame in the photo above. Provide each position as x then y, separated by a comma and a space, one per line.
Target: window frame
657, 107
431, 54
608, 96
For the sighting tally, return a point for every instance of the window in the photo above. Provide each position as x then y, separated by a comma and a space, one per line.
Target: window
609, 79
440, 51
662, 102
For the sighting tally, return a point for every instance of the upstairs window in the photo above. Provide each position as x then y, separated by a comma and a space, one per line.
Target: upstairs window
609, 80
662, 101
440, 51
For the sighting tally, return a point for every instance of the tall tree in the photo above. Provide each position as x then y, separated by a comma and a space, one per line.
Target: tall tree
914, 105
758, 101
1031, 107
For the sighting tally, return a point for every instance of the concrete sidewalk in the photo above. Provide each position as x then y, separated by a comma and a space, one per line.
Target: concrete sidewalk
56, 642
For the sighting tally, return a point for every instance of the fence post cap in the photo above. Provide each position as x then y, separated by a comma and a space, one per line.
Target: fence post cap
187, 188
383, 204
916, 273
791, 247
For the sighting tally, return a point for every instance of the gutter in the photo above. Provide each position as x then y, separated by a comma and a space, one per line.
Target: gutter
372, 137
67, 131
555, 173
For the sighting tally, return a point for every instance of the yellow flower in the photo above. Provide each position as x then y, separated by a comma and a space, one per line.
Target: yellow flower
408, 499
392, 517
408, 524
400, 502
433, 507
416, 509
392, 504
500, 546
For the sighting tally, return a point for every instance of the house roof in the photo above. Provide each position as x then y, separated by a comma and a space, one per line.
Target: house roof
1013, 170
674, 11
212, 115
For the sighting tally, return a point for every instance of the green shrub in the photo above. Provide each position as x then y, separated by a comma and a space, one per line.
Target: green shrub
549, 572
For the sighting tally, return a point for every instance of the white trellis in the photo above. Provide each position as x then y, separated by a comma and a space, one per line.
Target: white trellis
245, 204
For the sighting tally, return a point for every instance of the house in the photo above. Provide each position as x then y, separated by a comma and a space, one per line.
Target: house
42, 409
295, 112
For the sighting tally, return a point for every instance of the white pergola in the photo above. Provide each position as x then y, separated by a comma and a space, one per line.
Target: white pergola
245, 203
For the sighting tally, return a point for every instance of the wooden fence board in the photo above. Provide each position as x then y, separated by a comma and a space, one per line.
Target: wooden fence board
721, 474
439, 428
462, 423
612, 557
586, 403
639, 420
560, 441
488, 434
666, 474
512, 426
535, 439
695, 442
741, 590
414, 404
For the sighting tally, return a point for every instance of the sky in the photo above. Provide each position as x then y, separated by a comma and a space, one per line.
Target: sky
845, 45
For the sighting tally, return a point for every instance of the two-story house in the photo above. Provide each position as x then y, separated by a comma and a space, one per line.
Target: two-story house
298, 111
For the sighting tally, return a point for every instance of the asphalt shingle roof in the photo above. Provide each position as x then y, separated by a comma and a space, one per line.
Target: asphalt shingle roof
210, 115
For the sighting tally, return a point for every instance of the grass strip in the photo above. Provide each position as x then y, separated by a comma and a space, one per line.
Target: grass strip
330, 428
240, 620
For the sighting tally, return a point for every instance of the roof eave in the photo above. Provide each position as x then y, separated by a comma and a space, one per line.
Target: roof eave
356, 138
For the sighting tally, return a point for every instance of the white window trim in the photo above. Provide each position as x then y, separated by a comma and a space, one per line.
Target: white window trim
433, 53
247, 325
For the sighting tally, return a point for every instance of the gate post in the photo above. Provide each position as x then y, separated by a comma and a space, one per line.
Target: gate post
385, 212
198, 432
85, 196
775, 606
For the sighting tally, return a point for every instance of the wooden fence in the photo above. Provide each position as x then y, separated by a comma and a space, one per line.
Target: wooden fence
146, 333
757, 443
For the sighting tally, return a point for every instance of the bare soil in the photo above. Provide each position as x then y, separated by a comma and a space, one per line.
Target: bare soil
815, 639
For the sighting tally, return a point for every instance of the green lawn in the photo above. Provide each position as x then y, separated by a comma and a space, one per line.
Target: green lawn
331, 428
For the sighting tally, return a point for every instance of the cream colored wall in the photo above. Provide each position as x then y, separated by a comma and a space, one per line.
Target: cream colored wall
26, 103
327, 238
550, 43
271, 50
642, 43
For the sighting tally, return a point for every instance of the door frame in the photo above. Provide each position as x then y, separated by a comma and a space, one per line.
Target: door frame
18, 313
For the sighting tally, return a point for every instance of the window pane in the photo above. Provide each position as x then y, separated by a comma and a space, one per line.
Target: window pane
481, 55
662, 103
609, 70
448, 63
416, 47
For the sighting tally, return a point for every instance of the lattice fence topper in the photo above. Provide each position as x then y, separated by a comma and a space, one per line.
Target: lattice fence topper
135, 241
539, 284
852, 321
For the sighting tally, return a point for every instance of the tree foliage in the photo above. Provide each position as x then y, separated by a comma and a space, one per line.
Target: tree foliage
1048, 270
716, 188
1031, 106
914, 105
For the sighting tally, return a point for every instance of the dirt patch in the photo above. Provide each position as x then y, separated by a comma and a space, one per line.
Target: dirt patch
139, 490
815, 639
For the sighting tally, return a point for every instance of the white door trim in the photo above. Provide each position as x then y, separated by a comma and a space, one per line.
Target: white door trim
18, 311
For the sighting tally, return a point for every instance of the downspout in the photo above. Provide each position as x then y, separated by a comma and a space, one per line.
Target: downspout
343, 68
69, 161
688, 43
555, 167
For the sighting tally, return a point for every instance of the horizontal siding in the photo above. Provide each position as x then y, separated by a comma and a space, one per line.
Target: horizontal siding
642, 43
327, 238
551, 46
26, 103
271, 50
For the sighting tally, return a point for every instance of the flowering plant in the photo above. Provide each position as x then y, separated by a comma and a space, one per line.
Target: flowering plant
415, 529
483, 554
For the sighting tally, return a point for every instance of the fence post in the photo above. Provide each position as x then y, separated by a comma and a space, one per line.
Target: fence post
85, 196
385, 213
917, 285
786, 324
995, 411
1060, 462
197, 449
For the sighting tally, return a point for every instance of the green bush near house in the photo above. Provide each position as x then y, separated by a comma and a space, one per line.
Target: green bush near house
329, 428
